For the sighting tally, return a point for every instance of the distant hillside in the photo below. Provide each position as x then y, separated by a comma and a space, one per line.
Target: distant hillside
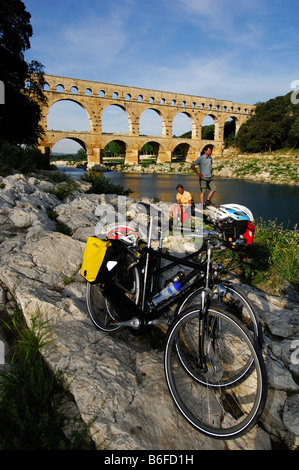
274, 125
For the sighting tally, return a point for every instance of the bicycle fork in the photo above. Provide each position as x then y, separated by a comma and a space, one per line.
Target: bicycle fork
202, 330
203, 315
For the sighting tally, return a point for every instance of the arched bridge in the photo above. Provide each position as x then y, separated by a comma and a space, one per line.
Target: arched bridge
94, 97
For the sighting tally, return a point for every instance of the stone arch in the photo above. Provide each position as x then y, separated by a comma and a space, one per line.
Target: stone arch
107, 113
181, 152
238, 120
81, 142
60, 88
148, 123
230, 127
114, 146
76, 102
181, 115
155, 151
211, 120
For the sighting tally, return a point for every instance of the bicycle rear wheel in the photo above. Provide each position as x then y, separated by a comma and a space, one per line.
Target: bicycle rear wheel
229, 398
100, 310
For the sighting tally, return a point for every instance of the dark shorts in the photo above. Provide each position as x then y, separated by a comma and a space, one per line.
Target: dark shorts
207, 185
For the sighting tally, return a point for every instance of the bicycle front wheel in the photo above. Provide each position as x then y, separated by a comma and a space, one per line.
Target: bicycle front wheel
100, 310
236, 303
228, 398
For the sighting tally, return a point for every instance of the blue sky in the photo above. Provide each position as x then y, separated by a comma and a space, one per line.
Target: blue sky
245, 51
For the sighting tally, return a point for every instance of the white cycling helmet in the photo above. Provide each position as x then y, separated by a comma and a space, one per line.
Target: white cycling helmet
233, 211
126, 233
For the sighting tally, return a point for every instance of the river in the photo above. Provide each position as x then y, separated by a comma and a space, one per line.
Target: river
266, 201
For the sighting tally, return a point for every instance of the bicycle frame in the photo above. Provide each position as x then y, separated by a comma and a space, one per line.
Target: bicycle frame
151, 266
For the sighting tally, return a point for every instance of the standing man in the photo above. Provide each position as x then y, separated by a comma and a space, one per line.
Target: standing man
204, 163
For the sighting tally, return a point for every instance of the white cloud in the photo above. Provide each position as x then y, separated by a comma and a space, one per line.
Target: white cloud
235, 22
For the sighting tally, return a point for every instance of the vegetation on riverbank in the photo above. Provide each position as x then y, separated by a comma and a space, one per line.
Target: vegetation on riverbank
102, 185
24, 159
274, 262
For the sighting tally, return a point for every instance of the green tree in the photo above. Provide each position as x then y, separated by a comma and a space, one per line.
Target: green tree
273, 126
21, 113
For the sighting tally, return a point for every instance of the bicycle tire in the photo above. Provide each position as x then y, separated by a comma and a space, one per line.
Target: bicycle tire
100, 310
236, 303
214, 402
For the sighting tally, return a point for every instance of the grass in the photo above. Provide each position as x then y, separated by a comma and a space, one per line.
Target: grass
274, 262
272, 265
31, 396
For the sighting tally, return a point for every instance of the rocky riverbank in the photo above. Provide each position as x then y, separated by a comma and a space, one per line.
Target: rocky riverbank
117, 382
263, 168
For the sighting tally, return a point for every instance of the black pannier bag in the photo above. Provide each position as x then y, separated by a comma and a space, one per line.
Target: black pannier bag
237, 230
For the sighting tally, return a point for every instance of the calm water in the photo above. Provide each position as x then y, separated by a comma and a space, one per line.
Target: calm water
266, 201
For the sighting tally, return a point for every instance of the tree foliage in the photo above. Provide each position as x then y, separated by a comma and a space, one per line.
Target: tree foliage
21, 112
274, 125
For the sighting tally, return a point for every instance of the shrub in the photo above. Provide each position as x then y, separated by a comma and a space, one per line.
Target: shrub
22, 159
102, 185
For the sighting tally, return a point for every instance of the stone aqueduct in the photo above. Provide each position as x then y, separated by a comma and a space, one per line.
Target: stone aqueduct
94, 97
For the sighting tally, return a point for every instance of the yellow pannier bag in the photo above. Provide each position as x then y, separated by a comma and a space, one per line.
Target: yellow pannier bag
93, 257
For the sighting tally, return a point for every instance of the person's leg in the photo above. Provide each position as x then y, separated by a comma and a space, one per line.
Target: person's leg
202, 188
210, 195
175, 210
212, 188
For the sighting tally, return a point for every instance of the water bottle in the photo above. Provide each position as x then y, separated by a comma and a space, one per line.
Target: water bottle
177, 278
171, 289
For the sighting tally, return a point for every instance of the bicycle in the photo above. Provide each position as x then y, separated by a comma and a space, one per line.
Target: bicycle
140, 271
202, 356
